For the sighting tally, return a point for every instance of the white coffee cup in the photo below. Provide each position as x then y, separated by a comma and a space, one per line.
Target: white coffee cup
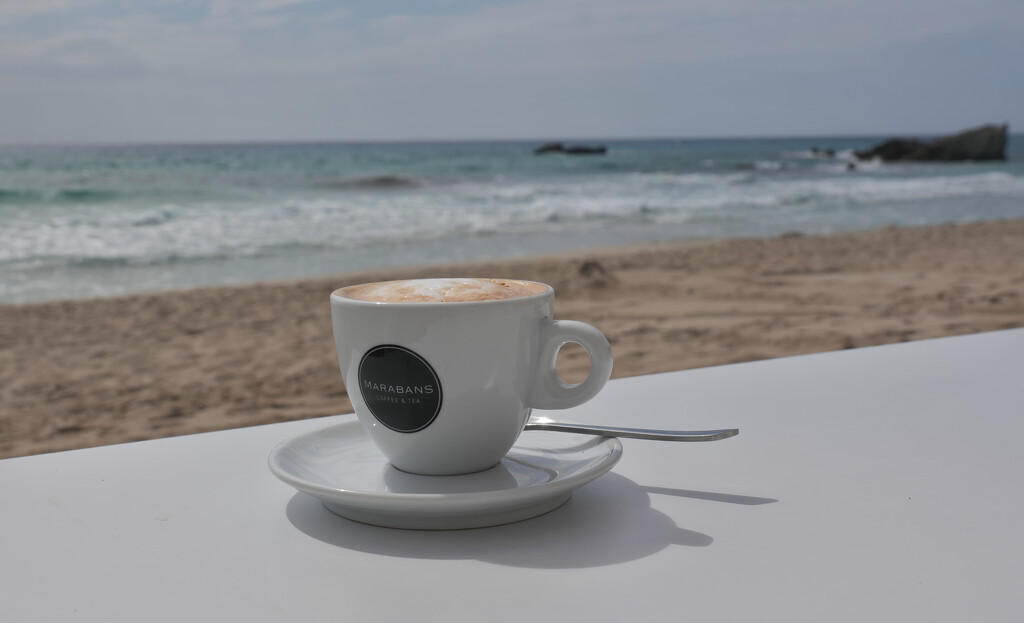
446, 387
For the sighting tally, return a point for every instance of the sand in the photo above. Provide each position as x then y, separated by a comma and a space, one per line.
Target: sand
83, 373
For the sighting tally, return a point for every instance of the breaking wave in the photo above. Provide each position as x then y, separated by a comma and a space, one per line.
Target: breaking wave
237, 212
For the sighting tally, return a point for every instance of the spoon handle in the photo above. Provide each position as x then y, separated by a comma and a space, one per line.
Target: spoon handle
633, 433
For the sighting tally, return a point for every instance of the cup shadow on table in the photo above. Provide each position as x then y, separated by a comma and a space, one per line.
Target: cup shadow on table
606, 522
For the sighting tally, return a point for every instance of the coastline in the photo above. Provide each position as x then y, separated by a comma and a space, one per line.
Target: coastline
80, 373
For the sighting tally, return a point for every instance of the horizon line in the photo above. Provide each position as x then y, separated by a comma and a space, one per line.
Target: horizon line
341, 141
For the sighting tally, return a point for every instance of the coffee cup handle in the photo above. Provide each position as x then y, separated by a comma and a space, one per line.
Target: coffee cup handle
551, 392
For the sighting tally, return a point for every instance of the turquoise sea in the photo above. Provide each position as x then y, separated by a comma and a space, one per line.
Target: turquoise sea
86, 221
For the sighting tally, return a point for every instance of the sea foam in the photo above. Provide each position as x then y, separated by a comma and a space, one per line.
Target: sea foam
90, 221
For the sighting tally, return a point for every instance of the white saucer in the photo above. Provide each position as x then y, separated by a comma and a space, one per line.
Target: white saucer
341, 466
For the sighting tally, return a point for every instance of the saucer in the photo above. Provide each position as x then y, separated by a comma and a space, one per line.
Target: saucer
341, 466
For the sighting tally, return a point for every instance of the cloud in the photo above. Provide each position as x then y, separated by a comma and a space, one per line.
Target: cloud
549, 35
18, 10
516, 68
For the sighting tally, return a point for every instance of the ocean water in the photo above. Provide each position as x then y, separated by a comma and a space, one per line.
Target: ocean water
87, 221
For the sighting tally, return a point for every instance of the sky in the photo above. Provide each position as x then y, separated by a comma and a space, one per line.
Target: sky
85, 71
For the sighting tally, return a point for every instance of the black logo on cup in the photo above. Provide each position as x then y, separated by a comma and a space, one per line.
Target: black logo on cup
400, 388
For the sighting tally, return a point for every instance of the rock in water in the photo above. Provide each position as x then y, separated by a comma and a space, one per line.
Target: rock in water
549, 148
984, 143
587, 150
572, 150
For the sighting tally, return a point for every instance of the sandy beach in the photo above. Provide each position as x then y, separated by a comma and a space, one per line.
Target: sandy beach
83, 373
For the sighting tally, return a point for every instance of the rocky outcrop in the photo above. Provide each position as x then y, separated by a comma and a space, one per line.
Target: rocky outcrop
984, 143
574, 150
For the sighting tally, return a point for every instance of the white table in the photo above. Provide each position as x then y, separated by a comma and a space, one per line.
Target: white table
878, 484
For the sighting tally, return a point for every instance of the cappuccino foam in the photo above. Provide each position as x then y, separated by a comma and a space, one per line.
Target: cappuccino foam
442, 290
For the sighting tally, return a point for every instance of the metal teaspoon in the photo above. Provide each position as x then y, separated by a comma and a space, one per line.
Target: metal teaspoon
545, 423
